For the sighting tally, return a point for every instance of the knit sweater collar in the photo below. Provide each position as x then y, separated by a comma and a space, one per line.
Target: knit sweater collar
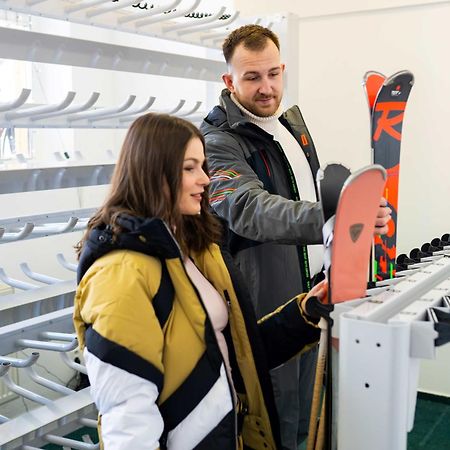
268, 123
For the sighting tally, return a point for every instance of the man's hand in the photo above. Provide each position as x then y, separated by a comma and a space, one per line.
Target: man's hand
383, 217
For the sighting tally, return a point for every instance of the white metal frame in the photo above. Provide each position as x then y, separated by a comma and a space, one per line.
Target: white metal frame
381, 341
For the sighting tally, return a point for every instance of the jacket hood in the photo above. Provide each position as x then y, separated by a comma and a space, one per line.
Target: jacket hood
150, 236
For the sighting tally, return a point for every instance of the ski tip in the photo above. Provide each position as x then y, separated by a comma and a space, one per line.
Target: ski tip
372, 167
372, 83
373, 73
330, 180
333, 167
400, 74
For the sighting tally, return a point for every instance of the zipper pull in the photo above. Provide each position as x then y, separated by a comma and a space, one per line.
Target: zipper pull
227, 298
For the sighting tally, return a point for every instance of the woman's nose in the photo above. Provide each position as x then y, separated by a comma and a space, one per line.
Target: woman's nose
204, 179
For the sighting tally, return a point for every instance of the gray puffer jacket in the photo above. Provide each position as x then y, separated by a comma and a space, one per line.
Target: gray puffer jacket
253, 188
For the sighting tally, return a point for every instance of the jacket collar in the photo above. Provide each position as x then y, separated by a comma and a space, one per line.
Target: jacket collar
150, 236
227, 115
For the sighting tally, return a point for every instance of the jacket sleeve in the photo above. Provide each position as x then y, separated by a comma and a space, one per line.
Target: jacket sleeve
286, 332
127, 406
123, 341
238, 196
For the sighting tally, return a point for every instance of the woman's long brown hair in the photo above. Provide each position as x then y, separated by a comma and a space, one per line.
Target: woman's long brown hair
147, 180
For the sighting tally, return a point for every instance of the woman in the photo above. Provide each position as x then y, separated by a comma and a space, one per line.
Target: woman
175, 356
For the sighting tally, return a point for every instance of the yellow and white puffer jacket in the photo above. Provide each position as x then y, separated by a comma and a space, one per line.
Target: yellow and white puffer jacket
137, 309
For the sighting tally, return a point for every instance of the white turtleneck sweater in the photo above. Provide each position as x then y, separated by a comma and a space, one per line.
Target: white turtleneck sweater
299, 165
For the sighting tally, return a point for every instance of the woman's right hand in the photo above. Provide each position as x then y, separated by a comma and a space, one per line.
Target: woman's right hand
315, 304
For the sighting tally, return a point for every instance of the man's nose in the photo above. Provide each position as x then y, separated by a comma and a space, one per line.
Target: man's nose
265, 86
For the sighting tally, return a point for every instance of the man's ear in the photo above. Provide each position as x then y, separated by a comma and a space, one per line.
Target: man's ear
283, 67
228, 80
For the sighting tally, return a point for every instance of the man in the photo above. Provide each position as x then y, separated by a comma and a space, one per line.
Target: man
263, 165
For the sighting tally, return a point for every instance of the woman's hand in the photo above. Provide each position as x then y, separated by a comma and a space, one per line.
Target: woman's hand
320, 291
315, 304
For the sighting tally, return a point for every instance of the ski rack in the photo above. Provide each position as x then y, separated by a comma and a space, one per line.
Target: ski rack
36, 177
381, 341
72, 410
64, 114
42, 319
169, 21
33, 300
44, 304
29, 227
47, 48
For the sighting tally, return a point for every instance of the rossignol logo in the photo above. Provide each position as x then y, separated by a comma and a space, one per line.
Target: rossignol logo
355, 231
396, 91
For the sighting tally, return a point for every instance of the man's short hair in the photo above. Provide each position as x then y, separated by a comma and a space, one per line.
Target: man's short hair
253, 37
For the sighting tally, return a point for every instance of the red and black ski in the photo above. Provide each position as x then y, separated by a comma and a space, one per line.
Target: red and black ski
387, 98
349, 222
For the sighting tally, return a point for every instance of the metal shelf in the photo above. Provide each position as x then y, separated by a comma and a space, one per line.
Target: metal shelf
29, 227
57, 176
65, 415
46, 48
63, 114
33, 303
171, 21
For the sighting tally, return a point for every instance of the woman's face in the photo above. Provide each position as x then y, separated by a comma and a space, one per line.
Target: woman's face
194, 179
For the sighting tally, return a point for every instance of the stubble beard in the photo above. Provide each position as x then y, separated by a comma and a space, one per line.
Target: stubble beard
263, 112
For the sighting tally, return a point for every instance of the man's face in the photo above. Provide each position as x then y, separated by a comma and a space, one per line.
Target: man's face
256, 78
